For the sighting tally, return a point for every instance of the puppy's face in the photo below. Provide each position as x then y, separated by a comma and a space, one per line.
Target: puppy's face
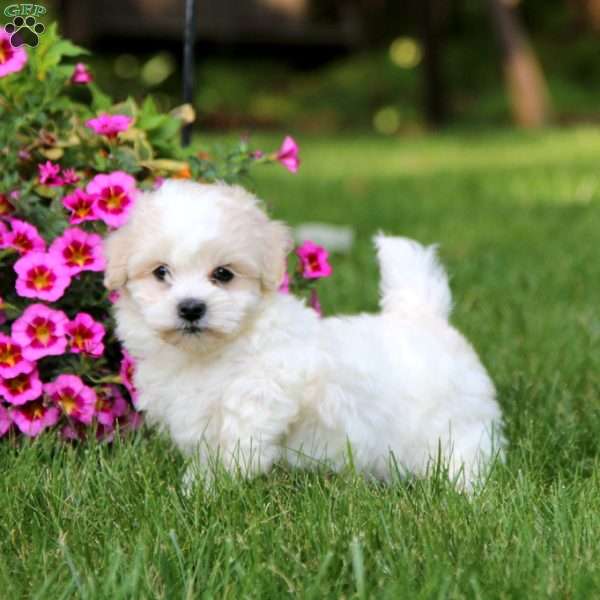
194, 264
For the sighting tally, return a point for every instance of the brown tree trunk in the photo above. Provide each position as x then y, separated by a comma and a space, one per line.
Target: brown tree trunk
525, 83
588, 12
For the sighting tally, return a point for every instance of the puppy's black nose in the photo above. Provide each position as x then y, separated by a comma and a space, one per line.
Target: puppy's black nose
191, 310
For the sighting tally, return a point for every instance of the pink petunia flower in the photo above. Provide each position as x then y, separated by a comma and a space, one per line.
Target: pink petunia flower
284, 286
113, 296
41, 332
110, 405
288, 156
6, 206
109, 125
127, 372
76, 399
73, 432
158, 181
4, 231
81, 205
115, 194
70, 177
41, 276
22, 388
32, 418
85, 335
79, 251
12, 361
81, 75
313, 260
78, 432
130, 421
315, 303
5, 421
49, 174
24, 238
12, 59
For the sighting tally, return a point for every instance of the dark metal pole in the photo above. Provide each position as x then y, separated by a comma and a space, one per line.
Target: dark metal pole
431, 34
189, 38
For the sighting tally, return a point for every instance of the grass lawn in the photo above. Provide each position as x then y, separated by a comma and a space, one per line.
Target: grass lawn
518, 221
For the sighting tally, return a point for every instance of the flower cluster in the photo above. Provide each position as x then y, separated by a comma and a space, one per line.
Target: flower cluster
63, 187
313, 264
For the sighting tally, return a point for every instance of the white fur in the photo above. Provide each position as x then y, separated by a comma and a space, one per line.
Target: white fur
270, 381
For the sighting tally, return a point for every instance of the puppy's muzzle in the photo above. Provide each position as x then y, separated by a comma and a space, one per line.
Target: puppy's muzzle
191, 310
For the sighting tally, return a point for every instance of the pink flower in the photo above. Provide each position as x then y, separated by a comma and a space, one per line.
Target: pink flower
70, 177
287, 155
4, 232
127, 372
11, 59
81, 75
49, 174
314, 303
34, 417
115, 195
113, 296
313, 261
41, 332
76, 399
41, 276
158, 181
22, 388
109, 125
5, 421
73, 432
110, 405
24, 238
12, 361
130, 421
6, 206
284, 286
85, 335
79, 251
81, 205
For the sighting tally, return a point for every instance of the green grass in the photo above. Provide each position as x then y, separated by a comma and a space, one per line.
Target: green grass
517, 218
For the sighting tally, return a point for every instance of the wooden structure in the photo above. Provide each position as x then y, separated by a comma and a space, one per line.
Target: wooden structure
266, 21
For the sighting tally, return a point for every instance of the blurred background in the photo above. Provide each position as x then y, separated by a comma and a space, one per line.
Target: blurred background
383, 66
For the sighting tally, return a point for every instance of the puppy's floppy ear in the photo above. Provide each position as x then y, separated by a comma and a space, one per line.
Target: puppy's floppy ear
277, 243
116, 249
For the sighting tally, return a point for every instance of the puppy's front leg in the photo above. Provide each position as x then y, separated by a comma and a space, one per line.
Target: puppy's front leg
256, 416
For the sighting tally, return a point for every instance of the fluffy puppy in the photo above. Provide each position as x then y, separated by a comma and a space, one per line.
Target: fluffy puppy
234, 369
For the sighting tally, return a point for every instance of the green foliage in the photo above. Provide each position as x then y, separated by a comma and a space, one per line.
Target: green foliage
45, 126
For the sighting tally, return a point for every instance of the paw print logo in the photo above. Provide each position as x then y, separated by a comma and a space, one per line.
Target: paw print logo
24, 32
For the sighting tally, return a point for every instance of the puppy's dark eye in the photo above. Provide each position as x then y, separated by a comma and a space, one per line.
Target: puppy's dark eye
222, 275
160, 272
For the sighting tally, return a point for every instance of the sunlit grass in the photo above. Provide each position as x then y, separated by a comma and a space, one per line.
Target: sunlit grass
517, 217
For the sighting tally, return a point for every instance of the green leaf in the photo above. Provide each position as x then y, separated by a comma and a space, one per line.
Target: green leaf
100, 101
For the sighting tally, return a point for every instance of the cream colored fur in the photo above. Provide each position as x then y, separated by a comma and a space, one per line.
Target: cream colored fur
265, 379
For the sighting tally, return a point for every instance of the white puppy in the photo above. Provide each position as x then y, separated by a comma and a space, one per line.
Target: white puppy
231, 367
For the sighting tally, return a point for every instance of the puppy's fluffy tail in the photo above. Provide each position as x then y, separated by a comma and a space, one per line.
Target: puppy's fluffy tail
412, 280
